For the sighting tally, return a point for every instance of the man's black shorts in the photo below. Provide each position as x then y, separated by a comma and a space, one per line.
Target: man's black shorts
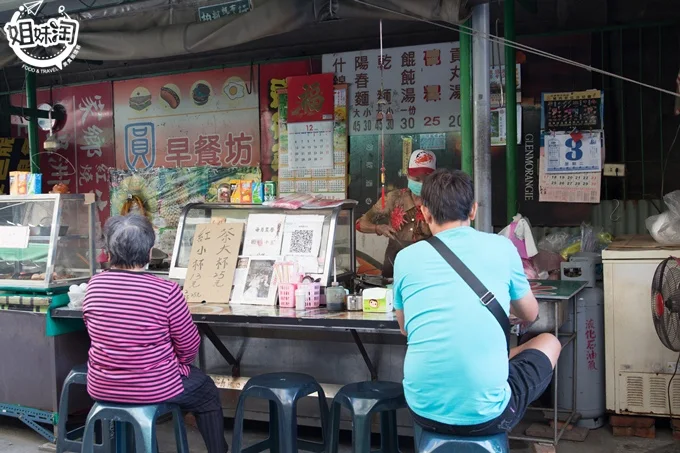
529, 376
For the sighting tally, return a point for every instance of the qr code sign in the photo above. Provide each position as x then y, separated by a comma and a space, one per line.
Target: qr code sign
301, 242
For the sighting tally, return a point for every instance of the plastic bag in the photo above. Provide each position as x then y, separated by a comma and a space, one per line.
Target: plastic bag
665, 227
555, 242
672, 201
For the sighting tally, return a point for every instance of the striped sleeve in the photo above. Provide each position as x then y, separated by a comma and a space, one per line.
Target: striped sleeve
183, 331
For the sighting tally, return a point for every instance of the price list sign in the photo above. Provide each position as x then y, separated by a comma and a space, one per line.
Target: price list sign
213, 259
420, 87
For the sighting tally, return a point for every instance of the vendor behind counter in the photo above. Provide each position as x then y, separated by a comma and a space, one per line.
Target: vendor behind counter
400, 220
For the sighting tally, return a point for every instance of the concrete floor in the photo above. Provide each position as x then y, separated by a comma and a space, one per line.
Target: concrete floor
16, 438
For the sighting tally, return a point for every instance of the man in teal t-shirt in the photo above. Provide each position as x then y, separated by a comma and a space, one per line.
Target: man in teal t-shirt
458, 378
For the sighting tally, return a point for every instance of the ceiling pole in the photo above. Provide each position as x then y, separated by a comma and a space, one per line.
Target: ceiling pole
482, 116
467, 154
32, 101
510, 112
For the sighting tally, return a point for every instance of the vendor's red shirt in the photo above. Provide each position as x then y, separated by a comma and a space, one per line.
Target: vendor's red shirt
142, 337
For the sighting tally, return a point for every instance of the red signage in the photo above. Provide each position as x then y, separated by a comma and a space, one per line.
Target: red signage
310, 98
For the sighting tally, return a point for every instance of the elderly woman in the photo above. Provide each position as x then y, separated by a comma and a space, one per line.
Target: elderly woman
143, 338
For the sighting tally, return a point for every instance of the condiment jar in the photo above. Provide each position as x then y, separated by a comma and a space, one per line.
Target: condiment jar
335, 297
355, 302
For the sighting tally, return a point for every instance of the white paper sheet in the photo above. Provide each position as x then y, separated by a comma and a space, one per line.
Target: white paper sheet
574, 154
239, 281
302, 235
264, 233
310, 145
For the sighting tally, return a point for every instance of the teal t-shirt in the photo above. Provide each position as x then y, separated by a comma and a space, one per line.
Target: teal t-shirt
456, 366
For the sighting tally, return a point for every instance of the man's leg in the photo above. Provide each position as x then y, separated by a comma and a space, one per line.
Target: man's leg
547, 343
531, 371
201, 397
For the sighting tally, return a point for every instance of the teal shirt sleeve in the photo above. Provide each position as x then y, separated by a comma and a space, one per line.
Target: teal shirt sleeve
519, 285
398, 281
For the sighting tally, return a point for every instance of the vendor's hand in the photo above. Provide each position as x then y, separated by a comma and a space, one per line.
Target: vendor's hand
385, 230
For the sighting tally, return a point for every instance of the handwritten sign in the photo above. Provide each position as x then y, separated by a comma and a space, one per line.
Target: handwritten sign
14, 237
213, 259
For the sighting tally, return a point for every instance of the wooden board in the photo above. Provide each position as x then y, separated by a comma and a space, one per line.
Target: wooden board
214, 254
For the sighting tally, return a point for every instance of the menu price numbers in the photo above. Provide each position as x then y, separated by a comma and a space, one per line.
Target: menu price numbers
406, 124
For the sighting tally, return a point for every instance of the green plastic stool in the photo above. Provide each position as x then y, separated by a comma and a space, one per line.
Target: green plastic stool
429, 442
363, 399
142, 419
283, 390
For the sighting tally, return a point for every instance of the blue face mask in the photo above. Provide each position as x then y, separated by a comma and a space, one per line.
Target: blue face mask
415, 187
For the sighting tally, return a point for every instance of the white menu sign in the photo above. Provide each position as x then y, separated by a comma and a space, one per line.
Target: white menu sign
14, 237
420, 85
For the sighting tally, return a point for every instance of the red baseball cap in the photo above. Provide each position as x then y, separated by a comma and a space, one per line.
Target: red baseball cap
422, 163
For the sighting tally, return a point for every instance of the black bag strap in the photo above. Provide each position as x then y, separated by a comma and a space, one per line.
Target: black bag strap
486, 297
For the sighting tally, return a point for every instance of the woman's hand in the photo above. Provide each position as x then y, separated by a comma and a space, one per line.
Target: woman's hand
385, 230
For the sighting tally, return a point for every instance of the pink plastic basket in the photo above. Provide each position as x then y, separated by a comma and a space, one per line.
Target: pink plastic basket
287, 295
313, 295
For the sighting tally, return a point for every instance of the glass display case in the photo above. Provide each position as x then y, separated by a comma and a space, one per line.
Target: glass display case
47, 242
337, 234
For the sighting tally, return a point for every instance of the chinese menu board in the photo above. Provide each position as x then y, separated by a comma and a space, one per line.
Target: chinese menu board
420, 86
212, 263
85, 140
581, 110
191, 119
13, 157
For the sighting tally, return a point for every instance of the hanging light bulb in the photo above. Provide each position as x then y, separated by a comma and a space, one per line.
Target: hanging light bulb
388, 114
51, 143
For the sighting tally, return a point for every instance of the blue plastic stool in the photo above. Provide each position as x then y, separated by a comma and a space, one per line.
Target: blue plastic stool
364, 399
142, 419
283, 390
429, 442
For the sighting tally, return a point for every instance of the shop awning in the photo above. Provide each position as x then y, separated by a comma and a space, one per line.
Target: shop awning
150, 29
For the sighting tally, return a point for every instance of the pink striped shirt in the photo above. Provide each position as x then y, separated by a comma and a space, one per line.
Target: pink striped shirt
142, 337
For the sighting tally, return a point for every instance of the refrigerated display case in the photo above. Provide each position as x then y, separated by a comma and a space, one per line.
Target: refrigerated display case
47, 242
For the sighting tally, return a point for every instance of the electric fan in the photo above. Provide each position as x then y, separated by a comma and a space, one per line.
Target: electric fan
666, 303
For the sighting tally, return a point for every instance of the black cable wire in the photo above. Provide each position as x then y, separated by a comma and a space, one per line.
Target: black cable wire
670, 383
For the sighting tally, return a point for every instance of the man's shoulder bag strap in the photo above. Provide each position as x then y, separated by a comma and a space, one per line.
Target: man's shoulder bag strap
486, 297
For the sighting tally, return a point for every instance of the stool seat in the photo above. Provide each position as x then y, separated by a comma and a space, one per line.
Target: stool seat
282, 390
429, 442
364, 399
142, 419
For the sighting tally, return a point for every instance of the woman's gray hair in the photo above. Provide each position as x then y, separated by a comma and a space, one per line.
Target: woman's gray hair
129, 240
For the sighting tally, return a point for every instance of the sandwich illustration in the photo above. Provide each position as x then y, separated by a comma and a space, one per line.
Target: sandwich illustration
201, 93
140, 99
170, 95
